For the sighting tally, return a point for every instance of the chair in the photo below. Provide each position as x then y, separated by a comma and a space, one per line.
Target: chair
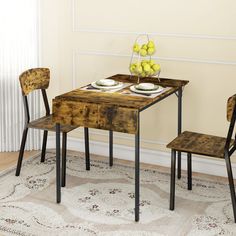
208, 145
31, 80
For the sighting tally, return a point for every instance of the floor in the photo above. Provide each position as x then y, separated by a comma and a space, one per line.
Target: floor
9, 159
100, 201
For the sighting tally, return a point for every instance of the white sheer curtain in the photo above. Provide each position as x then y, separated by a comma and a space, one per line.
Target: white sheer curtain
18, 52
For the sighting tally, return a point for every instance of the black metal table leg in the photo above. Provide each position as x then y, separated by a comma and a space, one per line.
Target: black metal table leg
137, 169
110, 147
180, 92
87, 155
189, 161
58, 163
63, 163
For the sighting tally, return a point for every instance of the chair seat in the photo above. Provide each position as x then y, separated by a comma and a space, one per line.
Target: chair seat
45, 123
197, 143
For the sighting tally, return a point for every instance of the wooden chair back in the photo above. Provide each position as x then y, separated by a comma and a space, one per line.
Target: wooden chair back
230, 107
33, 79
231, 117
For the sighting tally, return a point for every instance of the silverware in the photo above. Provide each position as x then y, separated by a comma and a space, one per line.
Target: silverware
92, 88
144, 94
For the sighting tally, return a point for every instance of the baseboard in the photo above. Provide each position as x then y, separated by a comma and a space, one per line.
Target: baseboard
200, 164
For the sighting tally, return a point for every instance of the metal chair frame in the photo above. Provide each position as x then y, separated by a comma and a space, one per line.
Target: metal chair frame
45, 135
228, 151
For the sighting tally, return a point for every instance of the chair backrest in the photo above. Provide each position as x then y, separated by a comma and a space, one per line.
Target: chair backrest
33, 79
230, 107
231, 117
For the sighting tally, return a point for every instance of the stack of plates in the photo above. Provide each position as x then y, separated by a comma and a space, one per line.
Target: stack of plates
107, 84
146, 88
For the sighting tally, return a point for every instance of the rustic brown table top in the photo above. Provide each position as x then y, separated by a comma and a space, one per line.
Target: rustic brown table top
109, 111
124, 100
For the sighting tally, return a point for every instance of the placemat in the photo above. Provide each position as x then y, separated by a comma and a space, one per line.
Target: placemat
124, 90
130, 93
89, 87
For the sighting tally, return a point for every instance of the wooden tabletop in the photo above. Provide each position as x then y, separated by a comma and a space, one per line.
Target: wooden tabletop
116, 98
109, 111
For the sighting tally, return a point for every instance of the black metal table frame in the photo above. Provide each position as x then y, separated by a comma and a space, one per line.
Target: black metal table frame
179, 94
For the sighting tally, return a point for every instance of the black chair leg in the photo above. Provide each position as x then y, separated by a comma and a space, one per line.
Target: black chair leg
45, 137
63, 176
231, 185
172, 180
21, 153
189, 160
87, 155
58, 163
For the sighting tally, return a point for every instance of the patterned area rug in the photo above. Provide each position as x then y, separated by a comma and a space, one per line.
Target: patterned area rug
101, 202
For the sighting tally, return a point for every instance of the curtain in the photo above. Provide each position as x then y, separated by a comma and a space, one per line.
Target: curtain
18, 52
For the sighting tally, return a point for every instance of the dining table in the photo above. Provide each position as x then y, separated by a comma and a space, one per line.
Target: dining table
113, 110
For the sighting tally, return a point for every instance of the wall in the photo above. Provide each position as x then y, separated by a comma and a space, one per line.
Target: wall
83, 41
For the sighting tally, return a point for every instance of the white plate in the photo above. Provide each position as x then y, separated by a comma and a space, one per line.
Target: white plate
133, 89
94, 84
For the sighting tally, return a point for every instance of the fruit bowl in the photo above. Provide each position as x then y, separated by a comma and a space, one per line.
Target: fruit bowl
139, 64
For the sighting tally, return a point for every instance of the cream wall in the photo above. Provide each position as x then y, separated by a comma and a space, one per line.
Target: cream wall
196, 40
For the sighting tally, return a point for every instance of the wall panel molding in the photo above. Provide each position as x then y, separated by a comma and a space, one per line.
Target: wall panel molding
200, 164
166, 35
78, 53
80, 29
126, 138
179, 59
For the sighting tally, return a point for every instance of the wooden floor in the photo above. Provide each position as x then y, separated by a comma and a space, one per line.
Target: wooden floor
9, 159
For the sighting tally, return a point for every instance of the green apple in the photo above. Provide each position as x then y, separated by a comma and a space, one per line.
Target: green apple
151, 62
151, 72
136, 48
144, 46
150, 51
143, 74
132, 68
156, 67
143, 52
144, 62
151, 44
139, 69
146, 67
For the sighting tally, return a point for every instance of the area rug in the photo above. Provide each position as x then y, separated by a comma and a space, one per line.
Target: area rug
101, 202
